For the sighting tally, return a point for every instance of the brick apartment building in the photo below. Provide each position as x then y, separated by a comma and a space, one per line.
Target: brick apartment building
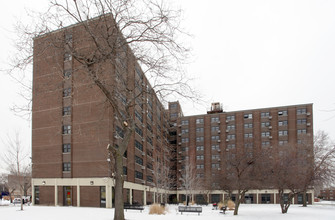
71, 127
210, 141
327, 194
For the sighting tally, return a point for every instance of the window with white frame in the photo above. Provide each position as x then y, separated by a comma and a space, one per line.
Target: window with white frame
199, 139
199, 129
200, 148
200, 157
199, 121
301, 111
247, 116
265, 114
283, 133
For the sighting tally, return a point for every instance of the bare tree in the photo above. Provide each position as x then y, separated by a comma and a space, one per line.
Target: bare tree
17, 161
188, 179
317, 162
240, 174
122, 36
284, 173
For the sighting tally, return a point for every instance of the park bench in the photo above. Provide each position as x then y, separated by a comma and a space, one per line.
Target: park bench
133, 207
182, 209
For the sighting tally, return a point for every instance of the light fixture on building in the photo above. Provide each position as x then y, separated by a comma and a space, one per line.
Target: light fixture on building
43, 182
91, 182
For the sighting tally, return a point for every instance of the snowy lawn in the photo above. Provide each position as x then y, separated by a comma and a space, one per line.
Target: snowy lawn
247, 211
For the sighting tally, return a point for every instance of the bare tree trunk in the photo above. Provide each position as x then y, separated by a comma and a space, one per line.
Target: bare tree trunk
239, 198
119, 212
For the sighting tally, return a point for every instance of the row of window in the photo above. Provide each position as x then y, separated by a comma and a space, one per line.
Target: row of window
246, 135
245, 116
246, 126
232, 146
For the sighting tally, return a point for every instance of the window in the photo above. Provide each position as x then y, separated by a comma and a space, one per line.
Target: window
200, 148
248, 145
282, 142
67, 110
265, 124
301, 121
230, 127
138, 160
248, 125
67, 167
230, 118
231, 136
283, 133
231, 146
149, 153
66, 92
149, 127
200, 166
301, 131
138, 116
67, 73
138, 175
138, 131
149, 140
265, 143
247, 116
215, 157
215, 165
184, 131
247, 135
265, 114
66, 129
215, 128
184, 140
173, 105
266, 134
149, 166
149, 116
149, 179
119, 132
125, 171
138, 145
184, 122
282, 113
200, 157
215, 137
184, 149
199, 121
215, 119
200, 130
282, 123
66, 148
199, 139
301, 111
215, 147
173, 115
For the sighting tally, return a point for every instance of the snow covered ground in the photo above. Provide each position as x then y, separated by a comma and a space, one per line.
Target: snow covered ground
319, 211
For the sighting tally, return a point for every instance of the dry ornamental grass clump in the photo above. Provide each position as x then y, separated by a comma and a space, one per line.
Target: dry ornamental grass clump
156, 209
231, 205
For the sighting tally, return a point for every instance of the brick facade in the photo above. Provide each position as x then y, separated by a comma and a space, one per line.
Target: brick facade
72, 124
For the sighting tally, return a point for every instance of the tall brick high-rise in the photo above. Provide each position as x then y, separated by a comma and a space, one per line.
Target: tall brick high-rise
72, 125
